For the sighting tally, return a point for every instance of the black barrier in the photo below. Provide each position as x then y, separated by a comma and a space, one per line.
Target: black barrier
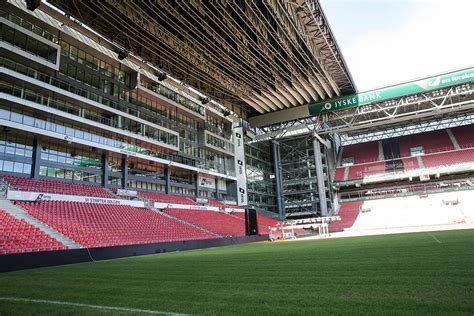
31, 260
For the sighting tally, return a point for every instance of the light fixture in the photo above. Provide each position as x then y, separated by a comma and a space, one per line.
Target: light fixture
32, 4
122, 54
161, 75
204, 100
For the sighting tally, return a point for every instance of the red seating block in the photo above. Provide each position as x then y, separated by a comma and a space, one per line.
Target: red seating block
433, 141
348, 213
167, 198
449, 158
369, 169
339, 174
218, 222
363, 152
217, 203
464, 135
100, 225
18, 236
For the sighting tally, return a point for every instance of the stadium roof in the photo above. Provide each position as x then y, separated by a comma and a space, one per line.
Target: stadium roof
448, 95
260, 56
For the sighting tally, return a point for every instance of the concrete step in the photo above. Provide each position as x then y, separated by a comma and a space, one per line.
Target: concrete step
21, 213
420, 162
346, 173
453, 139
381, 155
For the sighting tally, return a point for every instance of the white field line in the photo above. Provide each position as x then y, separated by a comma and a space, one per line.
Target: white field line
434, 237
100, 307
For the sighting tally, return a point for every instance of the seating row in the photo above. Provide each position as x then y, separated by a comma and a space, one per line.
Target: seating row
55, 187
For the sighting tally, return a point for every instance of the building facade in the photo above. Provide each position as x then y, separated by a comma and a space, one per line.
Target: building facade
72, 110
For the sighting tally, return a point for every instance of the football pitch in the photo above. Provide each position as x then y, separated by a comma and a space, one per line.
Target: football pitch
429, 273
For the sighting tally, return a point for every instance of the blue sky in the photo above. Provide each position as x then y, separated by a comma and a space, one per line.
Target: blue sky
386, 42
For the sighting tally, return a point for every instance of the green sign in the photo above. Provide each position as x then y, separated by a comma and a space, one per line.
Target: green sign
419, 86
86, 161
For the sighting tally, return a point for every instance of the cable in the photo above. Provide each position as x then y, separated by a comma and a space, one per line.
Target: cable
90, 256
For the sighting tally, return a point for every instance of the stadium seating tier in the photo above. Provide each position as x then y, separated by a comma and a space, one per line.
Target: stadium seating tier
100, 225
218, 222
18, 236
348, 213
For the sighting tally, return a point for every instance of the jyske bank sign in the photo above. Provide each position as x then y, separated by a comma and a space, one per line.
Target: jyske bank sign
419, 86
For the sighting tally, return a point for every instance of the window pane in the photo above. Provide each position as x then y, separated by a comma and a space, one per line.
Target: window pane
20, 40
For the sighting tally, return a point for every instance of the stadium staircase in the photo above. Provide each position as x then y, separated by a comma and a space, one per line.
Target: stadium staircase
19, 236
420, 162
112, 193
3, 188
453, 139
21, 213
346, 173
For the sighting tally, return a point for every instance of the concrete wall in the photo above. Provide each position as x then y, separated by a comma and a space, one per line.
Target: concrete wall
30, 260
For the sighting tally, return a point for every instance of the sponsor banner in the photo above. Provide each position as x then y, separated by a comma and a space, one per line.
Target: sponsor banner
38, 196
231, 209
423, 85
124, 192
242, 198
160, 205
207, 181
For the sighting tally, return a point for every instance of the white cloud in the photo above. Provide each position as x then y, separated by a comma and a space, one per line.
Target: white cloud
434, 39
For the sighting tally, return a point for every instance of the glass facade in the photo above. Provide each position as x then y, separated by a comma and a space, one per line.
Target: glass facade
28, 43
92, 85
260, 175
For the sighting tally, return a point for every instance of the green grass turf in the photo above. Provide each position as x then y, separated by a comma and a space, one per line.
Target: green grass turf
392, 274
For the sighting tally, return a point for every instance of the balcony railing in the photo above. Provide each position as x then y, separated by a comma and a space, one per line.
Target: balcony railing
174, 96
32, 73
158, 136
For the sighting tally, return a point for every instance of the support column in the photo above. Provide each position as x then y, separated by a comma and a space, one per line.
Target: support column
35, 159
196, 184
105, 169
217, 188
278, 180
124, 172
167, 181
320, 177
